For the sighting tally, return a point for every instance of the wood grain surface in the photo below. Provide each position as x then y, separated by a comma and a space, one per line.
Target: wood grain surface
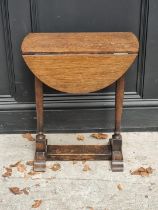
79, 73
78, 149
92, 42
78, 152
79, 62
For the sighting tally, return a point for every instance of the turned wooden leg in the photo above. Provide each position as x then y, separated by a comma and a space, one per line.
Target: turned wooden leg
41, 141
116, 141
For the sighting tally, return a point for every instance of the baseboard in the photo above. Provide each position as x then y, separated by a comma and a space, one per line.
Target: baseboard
79, 120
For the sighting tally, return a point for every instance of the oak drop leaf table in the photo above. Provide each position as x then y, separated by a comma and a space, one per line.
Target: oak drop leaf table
79, 63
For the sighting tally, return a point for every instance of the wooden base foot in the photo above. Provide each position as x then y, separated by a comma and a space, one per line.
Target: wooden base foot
117, 156
40, 154
45, 152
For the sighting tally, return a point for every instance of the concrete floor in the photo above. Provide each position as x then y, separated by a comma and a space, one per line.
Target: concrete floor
71, 188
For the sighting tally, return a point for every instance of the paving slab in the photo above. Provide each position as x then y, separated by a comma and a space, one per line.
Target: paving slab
71, 188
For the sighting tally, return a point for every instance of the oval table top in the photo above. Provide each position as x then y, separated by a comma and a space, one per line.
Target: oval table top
79, 62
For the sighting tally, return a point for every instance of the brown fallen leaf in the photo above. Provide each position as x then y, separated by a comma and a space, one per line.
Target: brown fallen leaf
8, 172
136, 172
28, 136
15, 164
15, 190
80, 137
21, 167
99, 135
56, 167
90, 208
149, 170
83, 161
142, 171
18, 191
86, 167
26, 190
37, 203
32, 173
120, 187
30, 162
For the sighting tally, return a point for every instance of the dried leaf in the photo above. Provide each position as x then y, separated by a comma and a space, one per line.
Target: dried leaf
99, 135
21, 167
8, 169
15, 164
120, 187
30, 163
32, 173
74, 162
83, 161
149, 170
8, 172
26, 190
56, 167
142, 171
86, 167
136, 172
15, 190
28, 136
80, 137
37, 203
90, 208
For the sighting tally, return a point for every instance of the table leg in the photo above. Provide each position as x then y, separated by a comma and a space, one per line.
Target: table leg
116, 141
41, 141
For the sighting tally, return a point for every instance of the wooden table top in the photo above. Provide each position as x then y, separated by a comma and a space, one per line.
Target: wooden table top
95, 42
79, 62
